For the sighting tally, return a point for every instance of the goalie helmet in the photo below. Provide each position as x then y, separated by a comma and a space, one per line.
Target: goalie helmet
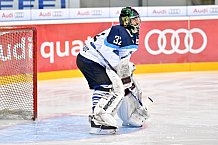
130, 19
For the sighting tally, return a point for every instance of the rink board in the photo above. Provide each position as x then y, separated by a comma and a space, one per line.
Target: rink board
140, 69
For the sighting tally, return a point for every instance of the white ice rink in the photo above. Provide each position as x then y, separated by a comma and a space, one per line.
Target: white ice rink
184, 112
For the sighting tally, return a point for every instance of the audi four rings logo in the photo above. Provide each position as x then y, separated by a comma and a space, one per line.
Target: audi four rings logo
175, 41
174, 11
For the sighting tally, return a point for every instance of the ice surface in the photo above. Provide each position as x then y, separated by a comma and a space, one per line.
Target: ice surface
184, 112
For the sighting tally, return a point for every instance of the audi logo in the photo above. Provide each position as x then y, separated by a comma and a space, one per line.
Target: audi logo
57, 13
19, 14
175, 41
174, 11
96, 12
213, 10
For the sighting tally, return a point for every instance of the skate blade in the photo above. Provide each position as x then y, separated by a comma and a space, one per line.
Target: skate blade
100, 131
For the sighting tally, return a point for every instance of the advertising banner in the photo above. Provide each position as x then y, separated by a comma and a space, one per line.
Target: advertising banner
166, 11
33, 11
15, 15
59, 44
175, 41
161, 41
32, 4
203, 10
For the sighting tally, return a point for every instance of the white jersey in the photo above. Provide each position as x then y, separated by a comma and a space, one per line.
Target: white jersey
110, 46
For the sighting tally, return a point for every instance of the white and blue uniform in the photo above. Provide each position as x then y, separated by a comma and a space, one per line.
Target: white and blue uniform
105, 63
105, 50
114, 44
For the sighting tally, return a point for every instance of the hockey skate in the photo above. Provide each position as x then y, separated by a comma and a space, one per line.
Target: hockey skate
100, 128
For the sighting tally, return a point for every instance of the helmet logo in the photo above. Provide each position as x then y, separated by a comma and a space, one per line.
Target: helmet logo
125, 20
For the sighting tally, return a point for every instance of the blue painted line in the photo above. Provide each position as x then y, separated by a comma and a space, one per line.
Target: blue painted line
63, 128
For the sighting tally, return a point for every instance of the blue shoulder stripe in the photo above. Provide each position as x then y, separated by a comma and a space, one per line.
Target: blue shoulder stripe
130, 47
115, 46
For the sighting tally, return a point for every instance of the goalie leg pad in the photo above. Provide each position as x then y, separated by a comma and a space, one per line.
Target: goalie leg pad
101, 121
105, 110
108, 105
96, 97
131, 112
